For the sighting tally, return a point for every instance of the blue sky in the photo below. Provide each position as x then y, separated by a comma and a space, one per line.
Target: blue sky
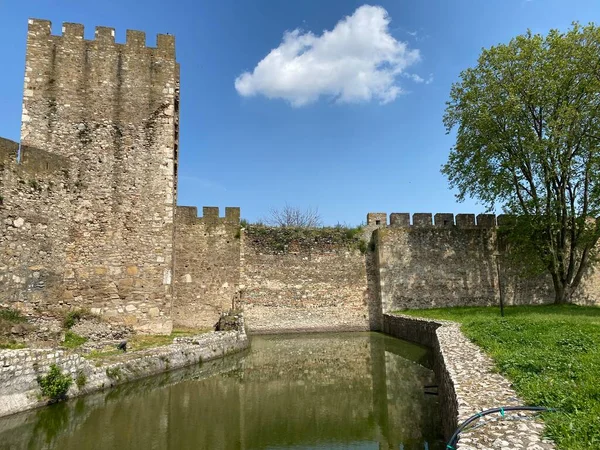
351, 126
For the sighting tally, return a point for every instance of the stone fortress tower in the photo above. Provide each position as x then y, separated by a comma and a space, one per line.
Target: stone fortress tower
89, 210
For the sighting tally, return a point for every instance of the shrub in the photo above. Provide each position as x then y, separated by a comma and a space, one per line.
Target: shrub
113, 373
55, 384
352, 233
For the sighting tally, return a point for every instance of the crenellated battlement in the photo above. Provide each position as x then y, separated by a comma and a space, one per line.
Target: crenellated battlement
78, 92
210, 215
165, 43
438, 220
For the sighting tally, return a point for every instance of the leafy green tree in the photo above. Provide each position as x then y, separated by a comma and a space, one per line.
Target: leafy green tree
527, 120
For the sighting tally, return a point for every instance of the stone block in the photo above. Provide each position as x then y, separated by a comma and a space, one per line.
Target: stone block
377, 219
422, 219
486, 220
444, 220
465, 220
398, 220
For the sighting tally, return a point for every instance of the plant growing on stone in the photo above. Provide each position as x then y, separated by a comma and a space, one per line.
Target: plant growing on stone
114, 373
279, 239
362, 246
81, 379
55, 384
12, 315
528, 139
72, 317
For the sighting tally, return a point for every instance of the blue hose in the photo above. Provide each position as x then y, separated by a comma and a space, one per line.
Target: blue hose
452, 442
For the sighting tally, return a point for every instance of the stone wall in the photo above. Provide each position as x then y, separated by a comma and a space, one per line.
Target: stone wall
448, 262
112, 112
207, 265
19, 369
35, 213
304, 280
467, 384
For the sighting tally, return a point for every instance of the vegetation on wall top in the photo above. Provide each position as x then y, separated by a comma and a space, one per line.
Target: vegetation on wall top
280, 240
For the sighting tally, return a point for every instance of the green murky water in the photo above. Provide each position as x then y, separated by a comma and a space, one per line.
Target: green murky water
316, 391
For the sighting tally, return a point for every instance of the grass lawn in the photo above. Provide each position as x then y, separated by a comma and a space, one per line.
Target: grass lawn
552, 356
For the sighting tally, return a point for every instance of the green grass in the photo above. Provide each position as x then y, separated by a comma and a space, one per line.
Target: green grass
106, 354
73, 340
142, 342
4, 345
552, 356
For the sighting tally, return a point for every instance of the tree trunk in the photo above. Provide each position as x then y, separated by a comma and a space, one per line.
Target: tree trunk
561, 292
561, 297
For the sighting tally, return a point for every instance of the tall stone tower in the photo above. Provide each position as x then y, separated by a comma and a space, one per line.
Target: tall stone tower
112, 110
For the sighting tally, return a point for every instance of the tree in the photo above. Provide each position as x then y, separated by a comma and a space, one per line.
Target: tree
290, 216
527, 139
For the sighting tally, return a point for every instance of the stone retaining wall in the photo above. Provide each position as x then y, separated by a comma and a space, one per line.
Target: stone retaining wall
19, 369
467, 385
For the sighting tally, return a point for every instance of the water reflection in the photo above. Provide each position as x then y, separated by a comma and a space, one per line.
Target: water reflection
321, 391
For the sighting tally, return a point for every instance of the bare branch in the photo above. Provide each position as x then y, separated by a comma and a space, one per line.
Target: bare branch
290, 216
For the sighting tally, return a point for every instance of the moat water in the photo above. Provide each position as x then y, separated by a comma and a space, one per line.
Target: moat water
316, 391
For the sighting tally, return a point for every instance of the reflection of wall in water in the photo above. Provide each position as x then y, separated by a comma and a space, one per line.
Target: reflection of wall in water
286, 388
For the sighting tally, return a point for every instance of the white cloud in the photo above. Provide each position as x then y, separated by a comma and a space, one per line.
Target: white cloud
419, 79
357, 61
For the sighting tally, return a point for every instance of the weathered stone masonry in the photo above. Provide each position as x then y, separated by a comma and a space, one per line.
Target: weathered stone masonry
317, 284
444, 263
36, 197
207, 265
111, 113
